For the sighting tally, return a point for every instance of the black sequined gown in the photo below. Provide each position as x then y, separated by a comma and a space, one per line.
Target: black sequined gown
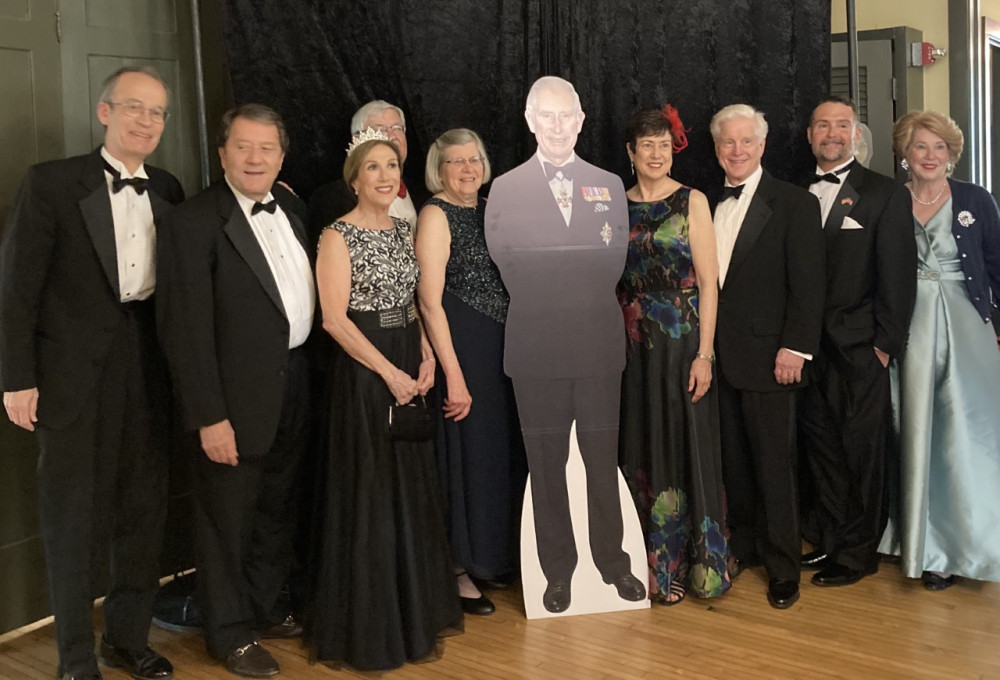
481, 460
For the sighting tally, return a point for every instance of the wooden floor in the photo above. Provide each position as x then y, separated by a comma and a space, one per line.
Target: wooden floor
884, 627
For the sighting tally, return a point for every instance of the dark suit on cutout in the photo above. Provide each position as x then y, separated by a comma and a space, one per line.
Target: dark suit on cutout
226, 337
772, 298
845, 411
102, 426
565, 347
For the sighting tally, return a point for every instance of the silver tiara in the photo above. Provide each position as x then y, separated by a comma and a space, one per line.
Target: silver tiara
368, 135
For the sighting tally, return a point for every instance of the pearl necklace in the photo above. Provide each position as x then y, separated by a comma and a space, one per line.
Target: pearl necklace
933, 200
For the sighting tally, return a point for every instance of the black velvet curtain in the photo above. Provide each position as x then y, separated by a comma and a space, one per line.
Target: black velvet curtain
469, 63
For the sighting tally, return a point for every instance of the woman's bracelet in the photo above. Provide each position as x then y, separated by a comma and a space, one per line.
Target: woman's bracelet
710, 358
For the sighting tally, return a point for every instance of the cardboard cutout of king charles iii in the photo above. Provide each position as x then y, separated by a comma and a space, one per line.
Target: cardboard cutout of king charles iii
557, 228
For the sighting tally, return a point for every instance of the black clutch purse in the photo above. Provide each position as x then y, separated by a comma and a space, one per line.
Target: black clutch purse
412, 422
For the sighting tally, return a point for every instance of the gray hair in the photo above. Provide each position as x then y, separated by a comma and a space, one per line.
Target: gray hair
435, 156
255, 112
551, 84
734, 111
108, 86
359, 121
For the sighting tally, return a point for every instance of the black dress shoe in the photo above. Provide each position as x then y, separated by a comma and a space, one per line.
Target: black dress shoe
498, 583
815, 560
289, 628
628, 586
477, 606
932, 581
834, 574
251, 661
782, 594
556, 597
81, 676
144, 665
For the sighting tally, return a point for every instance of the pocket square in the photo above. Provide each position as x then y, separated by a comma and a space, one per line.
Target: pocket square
850, 223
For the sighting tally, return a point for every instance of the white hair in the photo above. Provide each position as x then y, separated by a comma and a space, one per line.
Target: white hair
551, 84
734, 111
360, 119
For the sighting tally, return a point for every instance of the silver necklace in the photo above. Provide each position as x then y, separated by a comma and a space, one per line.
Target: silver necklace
933, 200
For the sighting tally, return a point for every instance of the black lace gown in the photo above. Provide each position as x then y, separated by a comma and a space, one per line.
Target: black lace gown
384, 587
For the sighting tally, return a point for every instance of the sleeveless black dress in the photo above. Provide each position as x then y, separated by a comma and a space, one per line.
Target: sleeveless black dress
384, 587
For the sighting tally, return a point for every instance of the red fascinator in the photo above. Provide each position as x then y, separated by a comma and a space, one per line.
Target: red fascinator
677, 131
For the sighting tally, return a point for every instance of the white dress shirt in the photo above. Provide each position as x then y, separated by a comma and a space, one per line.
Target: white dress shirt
403, 209
729, 215
562, 187
135, 234
826, 191
288, 262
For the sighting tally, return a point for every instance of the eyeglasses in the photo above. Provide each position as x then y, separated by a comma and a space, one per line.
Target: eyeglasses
462, 162
134, 109
396, 128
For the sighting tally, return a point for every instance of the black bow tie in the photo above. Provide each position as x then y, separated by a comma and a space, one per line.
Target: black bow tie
732, 192
828, 177
551, 170
833, 177
268, 207
140, 184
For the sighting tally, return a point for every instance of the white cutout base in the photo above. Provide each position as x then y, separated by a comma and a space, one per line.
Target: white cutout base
590, 594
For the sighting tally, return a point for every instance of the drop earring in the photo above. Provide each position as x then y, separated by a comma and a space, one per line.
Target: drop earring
905, 164
949, 166
632, 165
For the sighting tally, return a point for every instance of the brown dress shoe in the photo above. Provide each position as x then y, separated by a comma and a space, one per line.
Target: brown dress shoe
251, 661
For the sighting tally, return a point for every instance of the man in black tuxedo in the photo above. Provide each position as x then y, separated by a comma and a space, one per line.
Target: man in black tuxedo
235, 307
557, 228
870, 288
771, 261
80, 366
336, 199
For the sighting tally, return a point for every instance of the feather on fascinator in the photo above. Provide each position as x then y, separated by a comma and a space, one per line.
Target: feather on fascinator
677, 132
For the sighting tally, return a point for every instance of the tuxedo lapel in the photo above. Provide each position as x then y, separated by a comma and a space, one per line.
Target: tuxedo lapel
757, 216
846, 199
95, 207
159, 205
239, 233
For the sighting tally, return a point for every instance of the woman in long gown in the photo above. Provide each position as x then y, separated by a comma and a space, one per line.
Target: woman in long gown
464, 306
947, 388
384, 590
669, 442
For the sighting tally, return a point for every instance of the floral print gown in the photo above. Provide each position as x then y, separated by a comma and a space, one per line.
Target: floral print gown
669, 448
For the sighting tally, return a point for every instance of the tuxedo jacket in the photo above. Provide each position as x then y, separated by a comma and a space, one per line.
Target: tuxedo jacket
773, 294
564, 320
220, 316
60, 302
871, 260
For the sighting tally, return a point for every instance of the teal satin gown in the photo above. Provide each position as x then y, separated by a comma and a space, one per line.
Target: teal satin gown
946, 397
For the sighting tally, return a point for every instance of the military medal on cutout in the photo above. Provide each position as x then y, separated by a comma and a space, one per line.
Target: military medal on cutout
563, 199
606, 234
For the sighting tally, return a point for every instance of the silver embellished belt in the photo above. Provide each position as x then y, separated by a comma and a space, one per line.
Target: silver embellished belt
394, 317
933, 275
